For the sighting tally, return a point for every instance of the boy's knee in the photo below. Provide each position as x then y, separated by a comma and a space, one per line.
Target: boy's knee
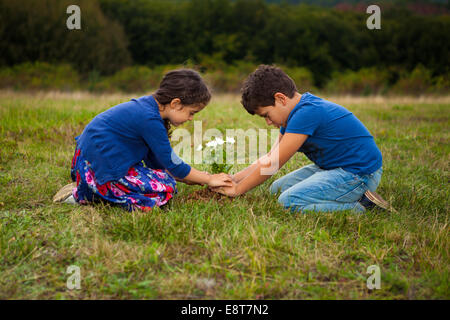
274, 188
285, 200
294, 203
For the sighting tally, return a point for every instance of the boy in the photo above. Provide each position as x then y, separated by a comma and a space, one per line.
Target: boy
347, 163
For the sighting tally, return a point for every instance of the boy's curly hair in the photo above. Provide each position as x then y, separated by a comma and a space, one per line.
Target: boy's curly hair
260, 87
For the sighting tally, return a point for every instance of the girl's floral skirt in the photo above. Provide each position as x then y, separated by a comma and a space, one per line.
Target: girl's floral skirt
141, 188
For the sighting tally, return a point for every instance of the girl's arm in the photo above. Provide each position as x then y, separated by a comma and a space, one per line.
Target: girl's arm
237, 177
213, 180
267, 166
184, 181
188, 182
159, 143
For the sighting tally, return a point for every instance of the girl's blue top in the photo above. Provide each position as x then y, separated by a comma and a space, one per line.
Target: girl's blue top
125, 135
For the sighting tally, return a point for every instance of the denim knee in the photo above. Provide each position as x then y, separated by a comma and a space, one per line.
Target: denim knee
374, 179
285, 199
274, 188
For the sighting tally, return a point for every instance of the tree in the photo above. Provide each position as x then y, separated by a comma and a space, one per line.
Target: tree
35, 30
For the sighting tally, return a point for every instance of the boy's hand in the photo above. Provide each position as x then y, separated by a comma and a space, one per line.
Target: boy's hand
227, 191
220, 180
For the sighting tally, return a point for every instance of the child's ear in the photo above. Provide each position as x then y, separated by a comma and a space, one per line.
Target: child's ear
280, 98
176, 104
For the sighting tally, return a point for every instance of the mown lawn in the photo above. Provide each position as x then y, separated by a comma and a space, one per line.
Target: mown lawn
248, 248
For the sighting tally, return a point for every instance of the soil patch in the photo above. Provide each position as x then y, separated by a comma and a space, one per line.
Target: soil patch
205, 195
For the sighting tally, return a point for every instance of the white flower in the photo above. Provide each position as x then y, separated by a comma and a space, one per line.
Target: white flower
230, 140
219, 141
199, 148
212, 143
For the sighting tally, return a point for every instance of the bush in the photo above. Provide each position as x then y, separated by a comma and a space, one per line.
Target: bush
362, 82
229, 78
38, 76
442, 84
302, 77
417, 82
220, 77
130, 79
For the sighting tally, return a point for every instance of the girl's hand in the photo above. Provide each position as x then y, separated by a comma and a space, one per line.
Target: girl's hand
220, 180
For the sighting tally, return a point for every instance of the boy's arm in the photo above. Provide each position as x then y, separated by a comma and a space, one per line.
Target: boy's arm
268, 165
237, 177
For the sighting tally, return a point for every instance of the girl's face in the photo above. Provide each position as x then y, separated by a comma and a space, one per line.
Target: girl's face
178, 113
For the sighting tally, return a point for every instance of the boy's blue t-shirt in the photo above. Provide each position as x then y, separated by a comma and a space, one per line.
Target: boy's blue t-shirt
336, 138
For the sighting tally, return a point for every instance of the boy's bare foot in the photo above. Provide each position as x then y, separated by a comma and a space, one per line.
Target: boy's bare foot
64, 193
371, 199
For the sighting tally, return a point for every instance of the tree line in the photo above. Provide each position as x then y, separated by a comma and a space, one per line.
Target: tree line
211, 33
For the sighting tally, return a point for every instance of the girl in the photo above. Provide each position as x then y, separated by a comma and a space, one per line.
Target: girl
124, 155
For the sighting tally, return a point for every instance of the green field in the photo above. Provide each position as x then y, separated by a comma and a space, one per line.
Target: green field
248, 248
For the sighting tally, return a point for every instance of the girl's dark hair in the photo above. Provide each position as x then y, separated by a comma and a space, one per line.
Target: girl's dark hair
260, 87
184, 84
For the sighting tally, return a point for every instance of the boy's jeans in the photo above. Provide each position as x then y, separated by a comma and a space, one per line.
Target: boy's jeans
315, 189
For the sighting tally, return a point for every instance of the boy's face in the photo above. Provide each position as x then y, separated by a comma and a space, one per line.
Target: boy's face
271, 114
277, 114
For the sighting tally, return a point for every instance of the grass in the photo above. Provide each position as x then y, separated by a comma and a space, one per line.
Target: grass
248, 248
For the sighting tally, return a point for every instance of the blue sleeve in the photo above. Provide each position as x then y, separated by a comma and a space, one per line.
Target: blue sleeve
282, 129
155, 135
306, 120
